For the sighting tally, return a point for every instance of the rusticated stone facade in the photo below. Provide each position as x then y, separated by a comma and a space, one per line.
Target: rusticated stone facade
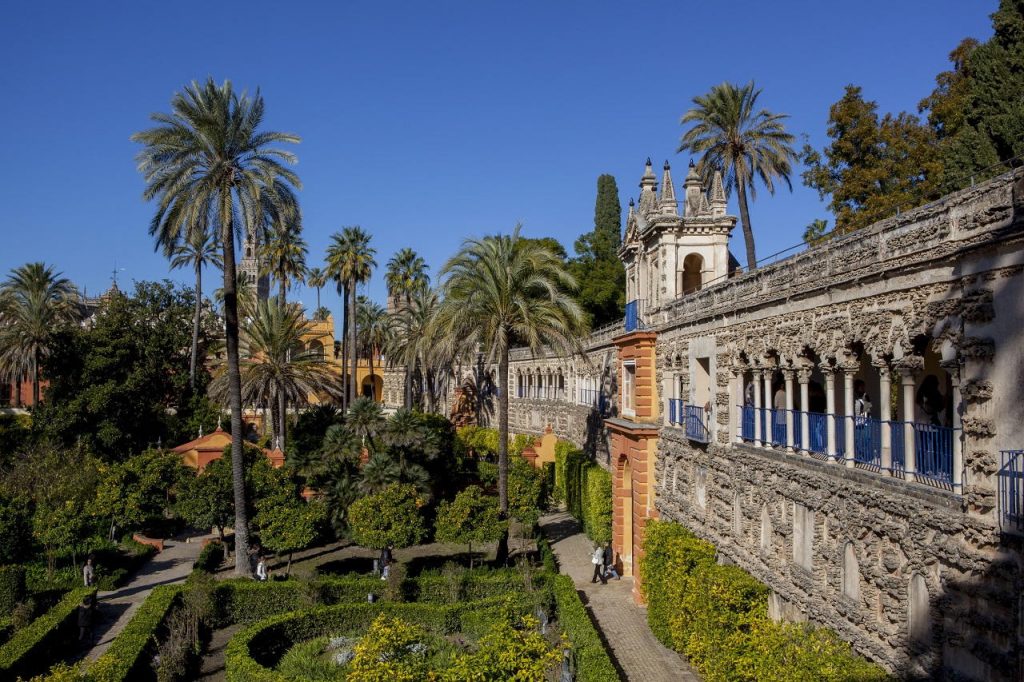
833, 422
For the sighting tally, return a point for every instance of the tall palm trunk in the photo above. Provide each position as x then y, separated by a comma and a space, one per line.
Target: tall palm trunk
502, 553
35, 378
282, 292
373, 384
344, 344
282, 410
242, 566
195, 326
352, 342
748, 232
408, 366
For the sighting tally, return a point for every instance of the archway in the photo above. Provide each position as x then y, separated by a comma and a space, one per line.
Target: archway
693, 265
624, 504
372, 387
316, 349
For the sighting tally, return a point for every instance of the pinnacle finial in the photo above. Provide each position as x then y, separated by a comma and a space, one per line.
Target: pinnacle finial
649, 161
666, 166
631, 201
692, 164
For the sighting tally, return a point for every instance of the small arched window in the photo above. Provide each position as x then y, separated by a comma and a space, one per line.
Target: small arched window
918, 610
693, 265
851, 573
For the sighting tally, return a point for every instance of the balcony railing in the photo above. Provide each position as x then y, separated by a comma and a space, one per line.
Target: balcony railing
675, 410
696, 424
933, 445
634, 309
1011, 489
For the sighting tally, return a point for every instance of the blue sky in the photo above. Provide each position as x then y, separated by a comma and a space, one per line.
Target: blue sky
427, 122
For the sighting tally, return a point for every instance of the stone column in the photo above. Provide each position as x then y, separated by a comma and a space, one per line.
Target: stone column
907, 375
885, 404
830, 411
953, 369
848, 432
769, 418
757, 407
803, 376
788, 374
736, 405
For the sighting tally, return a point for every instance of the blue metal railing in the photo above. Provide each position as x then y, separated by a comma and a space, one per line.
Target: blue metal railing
633, 321
899, 460
867, 442
747, 423
818, 436
696, 426
933, 446
840, 422
1011, 489
675, 411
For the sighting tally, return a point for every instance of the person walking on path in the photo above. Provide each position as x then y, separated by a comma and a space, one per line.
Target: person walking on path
86, 619
89, 573
598, 560
261, 570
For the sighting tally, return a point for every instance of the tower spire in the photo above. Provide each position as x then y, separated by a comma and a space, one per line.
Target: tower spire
668, 202
648, 189
717, 198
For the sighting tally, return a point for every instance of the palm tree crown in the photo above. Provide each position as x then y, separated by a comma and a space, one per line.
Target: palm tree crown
407, 273
350, 261
210, 168
742, 142
35, 302
501, 290
197, 251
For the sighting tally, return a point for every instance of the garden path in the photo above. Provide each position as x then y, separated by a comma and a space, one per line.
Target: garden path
118, 606
621, 622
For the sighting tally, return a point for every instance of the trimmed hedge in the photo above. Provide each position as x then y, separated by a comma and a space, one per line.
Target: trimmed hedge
251, 652
31, 650
12, 588
210, 557
588, 494
717, 616
126, 657
592, 661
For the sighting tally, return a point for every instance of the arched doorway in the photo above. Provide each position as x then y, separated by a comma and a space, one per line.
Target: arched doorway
372, 387
693, 265
624, 503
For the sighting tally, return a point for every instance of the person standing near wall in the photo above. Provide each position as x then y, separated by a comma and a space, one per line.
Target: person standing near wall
597, 559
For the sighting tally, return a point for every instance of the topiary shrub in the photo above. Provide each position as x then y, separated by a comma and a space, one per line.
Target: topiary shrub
30, 650
210, 558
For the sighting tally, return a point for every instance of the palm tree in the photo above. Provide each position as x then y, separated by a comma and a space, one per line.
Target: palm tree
350, 261
273, 372
403, 432
317, 278
374, 327
413, 342
740, 141
505, 289
35, 302
285, 254
406, 274
200, 249
210, 168
365, 420
379, 472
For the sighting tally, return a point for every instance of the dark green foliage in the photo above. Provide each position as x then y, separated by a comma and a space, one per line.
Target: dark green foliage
307, 435
390, 517
470, 517
597, 268
210, 557
15, 530
527, 496
15, 431
588, 494
31, 650
592, 661
112, 384
134, 493
12, 587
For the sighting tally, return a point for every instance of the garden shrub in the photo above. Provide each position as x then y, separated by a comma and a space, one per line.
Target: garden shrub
127, 656
12, 587
592, 661
210, 557
588, 494
30, 650
717, 616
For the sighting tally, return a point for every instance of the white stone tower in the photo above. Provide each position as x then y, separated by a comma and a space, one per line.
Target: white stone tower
668, 255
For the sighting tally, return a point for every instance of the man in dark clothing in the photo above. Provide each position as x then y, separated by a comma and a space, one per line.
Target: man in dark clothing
86, 618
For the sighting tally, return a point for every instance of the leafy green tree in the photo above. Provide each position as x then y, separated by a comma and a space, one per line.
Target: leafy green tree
15, 529
210, 168
873, 167
388, 518
136, 491
35, 303
741, 141
309, 431
597, 266
526, 494
197, 251
290, 527
470, 517
502, 289
350, 262
122, 385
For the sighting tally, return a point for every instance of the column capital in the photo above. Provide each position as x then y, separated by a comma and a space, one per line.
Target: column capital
803, 375
882, 367
848, 367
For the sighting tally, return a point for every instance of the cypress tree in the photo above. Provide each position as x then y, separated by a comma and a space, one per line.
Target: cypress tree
597, 267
